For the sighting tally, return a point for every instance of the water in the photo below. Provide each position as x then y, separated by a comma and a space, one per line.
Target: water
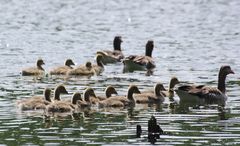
192, 40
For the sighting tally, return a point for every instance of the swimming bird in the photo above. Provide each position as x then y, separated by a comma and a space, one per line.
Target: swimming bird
99, 67
113, 56
38, 70
90, 96
121, 101
205, 94
149, 97
170, 91
80, 103
82, 70
135, 62
108, 92
65, 106
36, 102
60, 89
62, 70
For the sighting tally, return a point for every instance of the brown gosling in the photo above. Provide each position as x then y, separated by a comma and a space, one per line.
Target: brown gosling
62, 70
113, 56
36, 102
80, 102
38, 70
121, 101
149, 97
90, 96
65, 106
99, 67
82, 70
108, 92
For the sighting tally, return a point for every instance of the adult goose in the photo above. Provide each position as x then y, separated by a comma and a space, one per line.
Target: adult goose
121, 101
149, 97
38, 70
108, 92
204, 94
62, 70
134, 62
65, 106
36, 102
113, 56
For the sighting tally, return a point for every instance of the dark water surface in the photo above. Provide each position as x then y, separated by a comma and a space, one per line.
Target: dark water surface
192, 40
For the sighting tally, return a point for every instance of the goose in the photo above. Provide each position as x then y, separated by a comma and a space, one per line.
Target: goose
149, 97
36, 102
99, 67
65, 106
113, 56
81, 103
90, 96
205, 94
134, 62
170, 91
108, 92
60, 89
62, 70
82, 70
38, 70
121, 101
89, 69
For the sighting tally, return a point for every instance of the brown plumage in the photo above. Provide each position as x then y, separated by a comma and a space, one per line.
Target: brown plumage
113, 56
170, 91
80, 103
99, 67
82, 70
121, 101
35, 102
149, 97
62, 70
108, 92
90, 96
38, 70
135, 62
65, 106
205, 94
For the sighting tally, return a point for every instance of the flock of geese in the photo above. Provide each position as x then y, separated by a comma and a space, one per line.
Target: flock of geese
201, 94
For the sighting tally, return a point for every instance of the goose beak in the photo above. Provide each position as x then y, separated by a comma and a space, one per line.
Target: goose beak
231, 72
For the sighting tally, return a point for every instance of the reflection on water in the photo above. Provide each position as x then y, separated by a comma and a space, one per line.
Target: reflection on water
192, 40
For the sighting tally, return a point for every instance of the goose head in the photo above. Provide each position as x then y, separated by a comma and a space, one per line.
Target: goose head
60, 89
89, 92
99, 60
76, 96
88, 65
69, 62
158, 88
174, 81
149, 48
47, 94
131, 90
117, 43
40, 62
110, 90
223, 72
